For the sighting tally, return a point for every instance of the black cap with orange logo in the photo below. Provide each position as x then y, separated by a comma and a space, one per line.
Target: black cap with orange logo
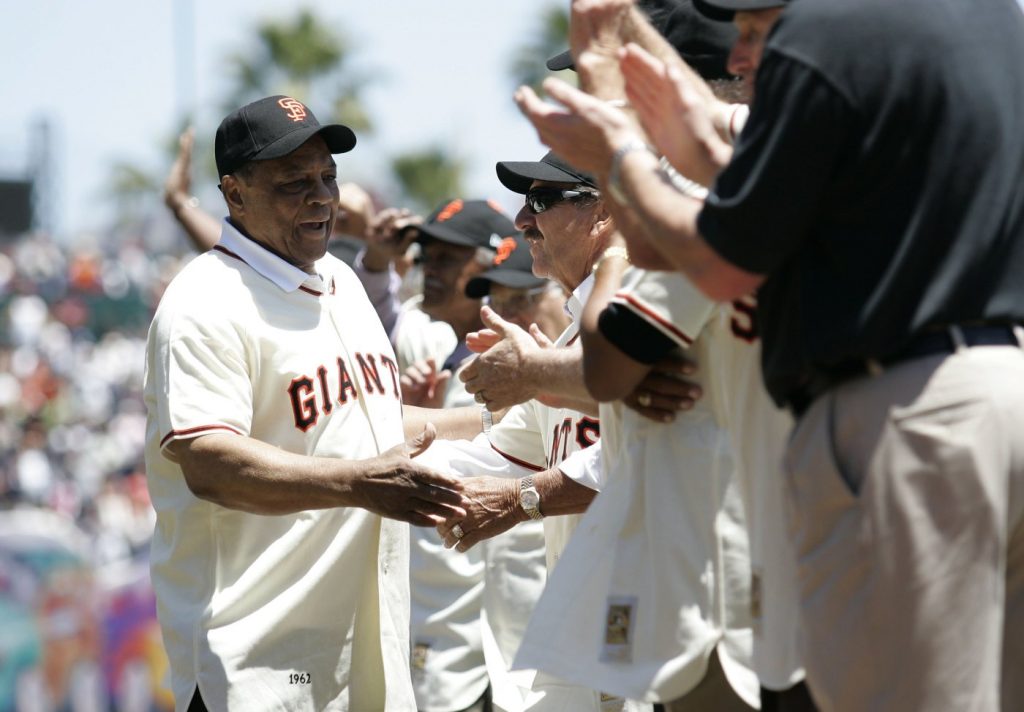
512, 267
471, 223
271, 128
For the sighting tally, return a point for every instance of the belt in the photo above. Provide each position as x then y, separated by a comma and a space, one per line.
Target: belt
942, 340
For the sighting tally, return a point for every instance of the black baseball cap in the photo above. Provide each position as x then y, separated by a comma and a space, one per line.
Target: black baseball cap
470, 223
724, 10
517, 176
512, 267
271, 128
702, 44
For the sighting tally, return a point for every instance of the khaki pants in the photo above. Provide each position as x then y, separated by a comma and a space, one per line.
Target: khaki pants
907, 501
712, 693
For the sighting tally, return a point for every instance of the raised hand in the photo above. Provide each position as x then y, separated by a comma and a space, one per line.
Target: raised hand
178, 185
389, 235
423, 385
500, 377
675, 115
585, 131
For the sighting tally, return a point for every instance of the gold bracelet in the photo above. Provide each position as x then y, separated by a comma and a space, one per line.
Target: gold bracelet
613, 251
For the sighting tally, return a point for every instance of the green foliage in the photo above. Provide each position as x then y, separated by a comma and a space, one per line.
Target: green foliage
303, 48
130, 181
552, 37
304, 57
429, 176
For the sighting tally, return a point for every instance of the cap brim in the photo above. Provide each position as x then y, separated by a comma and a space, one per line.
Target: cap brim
561, 61
518, 176
725, 10
444, 234
480, 286
712, 12
339, 139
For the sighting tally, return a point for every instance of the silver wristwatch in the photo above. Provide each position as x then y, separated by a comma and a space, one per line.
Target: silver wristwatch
529, 498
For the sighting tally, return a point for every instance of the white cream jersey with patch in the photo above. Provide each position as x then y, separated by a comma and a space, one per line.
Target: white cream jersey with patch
657, 573
301, 611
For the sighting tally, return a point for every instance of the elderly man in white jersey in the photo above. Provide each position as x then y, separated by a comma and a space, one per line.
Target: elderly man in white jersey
539, 455
275, 453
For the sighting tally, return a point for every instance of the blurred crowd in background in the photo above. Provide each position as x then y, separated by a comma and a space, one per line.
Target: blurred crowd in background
77, 617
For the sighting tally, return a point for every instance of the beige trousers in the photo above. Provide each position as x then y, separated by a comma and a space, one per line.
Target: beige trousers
906, 494
712, 694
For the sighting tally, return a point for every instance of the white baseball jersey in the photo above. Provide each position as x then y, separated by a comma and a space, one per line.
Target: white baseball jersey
759, 430
418, 337
449, 668
538, 437
512, 584
299, 611
656, 575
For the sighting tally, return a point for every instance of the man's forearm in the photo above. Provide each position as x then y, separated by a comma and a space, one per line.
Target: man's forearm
608, 373
561, 495
238, 472
559, 373
670, 219
243, 473
202, 228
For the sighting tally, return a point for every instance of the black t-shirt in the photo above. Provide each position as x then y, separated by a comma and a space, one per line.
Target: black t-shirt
879, 182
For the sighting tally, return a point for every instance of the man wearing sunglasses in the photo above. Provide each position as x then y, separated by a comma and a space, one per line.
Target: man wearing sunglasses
548, 449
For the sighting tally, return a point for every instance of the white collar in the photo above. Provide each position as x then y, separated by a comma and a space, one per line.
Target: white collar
578, 299
282, 273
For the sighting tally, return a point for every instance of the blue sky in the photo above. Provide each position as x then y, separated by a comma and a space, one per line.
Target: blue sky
112, 78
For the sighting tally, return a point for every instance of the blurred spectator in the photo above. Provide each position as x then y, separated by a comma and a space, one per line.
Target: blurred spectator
76, 611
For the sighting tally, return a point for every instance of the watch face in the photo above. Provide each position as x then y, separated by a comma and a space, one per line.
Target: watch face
529, 499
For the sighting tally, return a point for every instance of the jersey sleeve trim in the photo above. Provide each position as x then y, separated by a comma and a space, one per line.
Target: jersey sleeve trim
517, 461
653, 316
198, 430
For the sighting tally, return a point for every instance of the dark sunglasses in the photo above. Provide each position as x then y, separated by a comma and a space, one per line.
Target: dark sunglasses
540, 199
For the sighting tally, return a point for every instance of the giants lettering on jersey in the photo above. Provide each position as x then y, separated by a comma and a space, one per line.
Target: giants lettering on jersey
586, 431
318, 393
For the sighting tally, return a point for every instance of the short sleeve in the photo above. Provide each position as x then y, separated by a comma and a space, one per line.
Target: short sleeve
200, 375
653, 313
762, 204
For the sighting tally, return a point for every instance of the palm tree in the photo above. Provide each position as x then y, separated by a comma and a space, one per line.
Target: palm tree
429, 176
303, 57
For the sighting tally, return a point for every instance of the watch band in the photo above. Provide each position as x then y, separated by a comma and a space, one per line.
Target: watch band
529, 498
613, 251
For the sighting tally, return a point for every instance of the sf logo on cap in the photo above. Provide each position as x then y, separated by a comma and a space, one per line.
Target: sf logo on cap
296, 111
